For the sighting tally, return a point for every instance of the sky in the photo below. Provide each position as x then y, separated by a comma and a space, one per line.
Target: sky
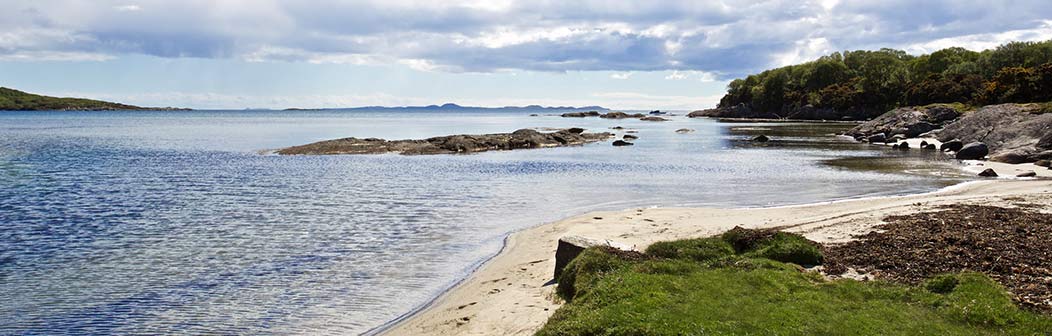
331, 53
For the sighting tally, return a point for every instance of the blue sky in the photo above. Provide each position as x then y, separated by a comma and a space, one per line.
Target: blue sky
628, 55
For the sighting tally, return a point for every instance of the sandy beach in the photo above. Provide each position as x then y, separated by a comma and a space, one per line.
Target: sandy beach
513, 293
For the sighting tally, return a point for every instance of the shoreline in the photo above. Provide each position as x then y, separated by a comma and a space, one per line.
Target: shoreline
512, 292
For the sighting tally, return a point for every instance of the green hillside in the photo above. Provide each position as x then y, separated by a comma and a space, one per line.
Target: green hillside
11, 99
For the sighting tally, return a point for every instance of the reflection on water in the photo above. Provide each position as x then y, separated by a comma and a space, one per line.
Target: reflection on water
170, 222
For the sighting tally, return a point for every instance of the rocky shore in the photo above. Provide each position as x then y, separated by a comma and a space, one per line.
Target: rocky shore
452, 144
1009, 133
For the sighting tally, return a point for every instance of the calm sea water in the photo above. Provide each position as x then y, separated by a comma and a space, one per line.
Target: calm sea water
174, 223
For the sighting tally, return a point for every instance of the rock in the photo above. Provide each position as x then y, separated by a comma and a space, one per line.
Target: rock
989, 172
1004, 128
910, 122
629, 137
619, 143
617, 128
895, 146
632, 131
684, 130
898, 138
1043, 163
621, 115
930, 147
653, 119
1027, 174
1013, 157
575, 130
923, 144
580, 114
877, 138
461, 143
570, 247
1045, 142
904, 146
973, 151
534, 115
761, 138
952, 145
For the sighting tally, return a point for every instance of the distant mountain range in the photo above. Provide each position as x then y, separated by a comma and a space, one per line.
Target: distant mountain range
455, 107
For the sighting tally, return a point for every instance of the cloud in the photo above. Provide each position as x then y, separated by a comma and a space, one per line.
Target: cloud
725, 39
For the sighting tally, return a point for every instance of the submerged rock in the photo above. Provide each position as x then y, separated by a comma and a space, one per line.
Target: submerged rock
462, 143
684, 130
629, 137
620, 143
621, 115
989, 172
973, 151
761, 138
653, 119
1027, 174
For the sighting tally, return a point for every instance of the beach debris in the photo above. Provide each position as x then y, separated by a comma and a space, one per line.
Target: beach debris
952, 145
761, 138
684, 130
973, 151
620, 143
989, 172
1027, 174
629, 137
1008, 244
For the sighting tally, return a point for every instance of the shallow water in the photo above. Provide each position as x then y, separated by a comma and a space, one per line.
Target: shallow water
172, 222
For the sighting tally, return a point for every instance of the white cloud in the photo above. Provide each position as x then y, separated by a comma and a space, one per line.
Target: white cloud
127, 8
621, 75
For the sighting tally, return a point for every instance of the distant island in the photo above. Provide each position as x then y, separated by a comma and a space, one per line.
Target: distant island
15, 100
451, 106
863, 84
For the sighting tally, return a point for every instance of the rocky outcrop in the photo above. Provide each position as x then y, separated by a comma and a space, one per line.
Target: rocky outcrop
1020, 129
621, 115
806, 112
909, 122
580, 114
520, 139
653, 119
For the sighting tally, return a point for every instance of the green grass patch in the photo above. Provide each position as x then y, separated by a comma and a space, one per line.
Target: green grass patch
731, 285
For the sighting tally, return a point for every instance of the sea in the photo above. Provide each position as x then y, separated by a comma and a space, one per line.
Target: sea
185, 222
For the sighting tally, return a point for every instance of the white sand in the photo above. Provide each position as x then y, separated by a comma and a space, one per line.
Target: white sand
1004, 170
509, 295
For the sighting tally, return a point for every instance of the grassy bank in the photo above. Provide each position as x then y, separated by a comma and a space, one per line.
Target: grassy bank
749, 282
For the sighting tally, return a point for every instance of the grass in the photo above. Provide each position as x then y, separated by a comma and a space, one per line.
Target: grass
729, 285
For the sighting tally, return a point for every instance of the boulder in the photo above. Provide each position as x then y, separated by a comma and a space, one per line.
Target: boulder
534, 115
895, 146
904, 146
619, 143
930, 147
575, 130
761, 138
1004, 128
617, 128
973, 151
989, 172
630, 137
877, 138
1044, 163
1013, 157
1027, 174
684, 130
1045, 142
923, 144
952, 145
653, 119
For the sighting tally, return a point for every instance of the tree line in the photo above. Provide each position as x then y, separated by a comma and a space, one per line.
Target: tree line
1015, 72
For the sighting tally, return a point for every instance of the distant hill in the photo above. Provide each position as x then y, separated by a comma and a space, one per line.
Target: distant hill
455, 107
15, 100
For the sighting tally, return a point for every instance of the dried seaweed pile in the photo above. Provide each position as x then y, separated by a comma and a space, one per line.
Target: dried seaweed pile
1013, 246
